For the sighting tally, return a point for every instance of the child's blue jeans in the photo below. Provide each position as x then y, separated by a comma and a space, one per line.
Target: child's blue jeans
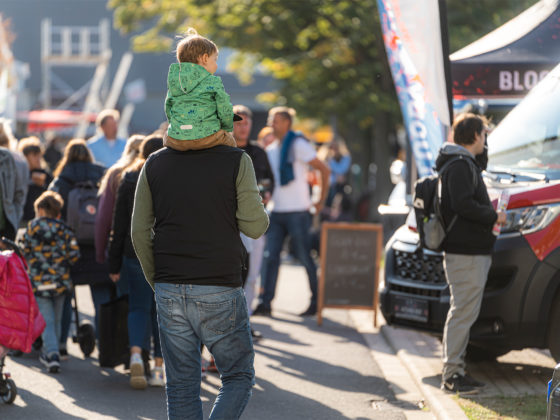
51, 309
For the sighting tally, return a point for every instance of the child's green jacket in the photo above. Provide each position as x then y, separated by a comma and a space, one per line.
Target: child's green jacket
197, 104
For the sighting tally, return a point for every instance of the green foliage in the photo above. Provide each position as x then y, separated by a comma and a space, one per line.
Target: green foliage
470, 20
329, 54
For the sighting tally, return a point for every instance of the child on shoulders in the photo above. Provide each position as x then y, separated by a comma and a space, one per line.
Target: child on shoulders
197, 106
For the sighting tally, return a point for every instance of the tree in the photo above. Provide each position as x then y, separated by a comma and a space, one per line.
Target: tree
470, 20
328, 54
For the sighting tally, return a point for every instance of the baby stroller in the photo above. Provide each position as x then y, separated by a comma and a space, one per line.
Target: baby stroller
17, 332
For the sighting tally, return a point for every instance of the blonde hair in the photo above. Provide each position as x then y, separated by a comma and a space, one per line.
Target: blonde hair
51, 202
131, 151
192, 46
106, 113
7, 138
149, 145
76, 151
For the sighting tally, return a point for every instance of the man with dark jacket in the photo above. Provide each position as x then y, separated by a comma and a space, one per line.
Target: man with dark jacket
189, 209
468, 245
265, 181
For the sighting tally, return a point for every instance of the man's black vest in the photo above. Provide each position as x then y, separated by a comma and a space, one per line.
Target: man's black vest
194, 200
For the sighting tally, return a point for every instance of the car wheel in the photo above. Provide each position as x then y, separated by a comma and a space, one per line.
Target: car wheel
553, 338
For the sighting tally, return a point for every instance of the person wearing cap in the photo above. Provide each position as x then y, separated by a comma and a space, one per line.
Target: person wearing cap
265, 182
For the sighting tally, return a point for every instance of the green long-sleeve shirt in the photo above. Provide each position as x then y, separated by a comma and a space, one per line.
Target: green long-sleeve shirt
252, 218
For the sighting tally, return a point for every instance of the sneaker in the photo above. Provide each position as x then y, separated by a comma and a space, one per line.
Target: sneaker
51, 362
459, 385
310, 311
256, 335
137, 378
156, 378
262, 310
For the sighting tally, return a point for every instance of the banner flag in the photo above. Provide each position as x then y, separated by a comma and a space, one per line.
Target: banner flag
412, 38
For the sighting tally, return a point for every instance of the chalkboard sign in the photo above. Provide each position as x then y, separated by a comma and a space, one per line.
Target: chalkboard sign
350, 255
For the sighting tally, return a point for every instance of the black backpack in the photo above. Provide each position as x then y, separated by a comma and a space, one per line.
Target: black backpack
81, 210
427, 207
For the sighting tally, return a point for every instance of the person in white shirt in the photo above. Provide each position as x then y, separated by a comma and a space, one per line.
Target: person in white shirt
290, 158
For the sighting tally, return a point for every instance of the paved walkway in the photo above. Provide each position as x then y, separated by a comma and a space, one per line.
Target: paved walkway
303, 372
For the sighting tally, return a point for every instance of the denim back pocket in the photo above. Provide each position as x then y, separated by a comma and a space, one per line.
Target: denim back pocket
218, 317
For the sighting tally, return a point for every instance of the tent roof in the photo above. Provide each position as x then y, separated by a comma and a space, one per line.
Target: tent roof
529, 44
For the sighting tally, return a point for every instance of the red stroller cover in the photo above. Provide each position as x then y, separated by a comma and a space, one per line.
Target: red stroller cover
21, 323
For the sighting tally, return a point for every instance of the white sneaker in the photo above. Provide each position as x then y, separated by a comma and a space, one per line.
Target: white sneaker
137, 377
156, 379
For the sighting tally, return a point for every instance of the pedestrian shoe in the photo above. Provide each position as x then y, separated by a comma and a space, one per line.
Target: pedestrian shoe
262, 310
51, 362
310, 311
459, 385
156, 378
255, 334
137, 378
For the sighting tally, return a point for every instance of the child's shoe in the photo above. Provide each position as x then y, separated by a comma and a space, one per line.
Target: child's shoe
51, 362
137, 378
156, 379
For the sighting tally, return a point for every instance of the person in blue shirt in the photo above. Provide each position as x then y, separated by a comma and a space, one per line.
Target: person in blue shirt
107, 148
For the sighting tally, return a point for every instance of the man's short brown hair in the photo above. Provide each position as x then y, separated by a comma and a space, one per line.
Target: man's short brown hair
286, 113
466, 126
193, 46
51, 202
106, 113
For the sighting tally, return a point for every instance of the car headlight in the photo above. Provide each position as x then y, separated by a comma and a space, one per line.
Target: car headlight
530, 219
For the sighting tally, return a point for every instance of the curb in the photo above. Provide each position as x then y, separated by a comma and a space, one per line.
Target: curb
441, 403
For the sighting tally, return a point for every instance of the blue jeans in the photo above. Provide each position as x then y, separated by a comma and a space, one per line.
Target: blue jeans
142, 315
217, 317
296, 225
51, 309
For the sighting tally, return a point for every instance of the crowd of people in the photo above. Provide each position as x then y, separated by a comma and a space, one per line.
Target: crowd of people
35, 197
167, 191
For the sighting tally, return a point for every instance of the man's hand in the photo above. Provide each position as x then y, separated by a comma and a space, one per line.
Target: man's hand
115, 277
266, 197
319, 206
502, 218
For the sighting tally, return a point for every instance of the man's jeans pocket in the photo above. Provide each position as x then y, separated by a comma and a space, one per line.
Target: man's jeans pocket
218, 317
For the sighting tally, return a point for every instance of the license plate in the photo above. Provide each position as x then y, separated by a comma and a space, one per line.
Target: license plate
410, 308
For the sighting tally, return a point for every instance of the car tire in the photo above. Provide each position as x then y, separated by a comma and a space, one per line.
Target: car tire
552, 336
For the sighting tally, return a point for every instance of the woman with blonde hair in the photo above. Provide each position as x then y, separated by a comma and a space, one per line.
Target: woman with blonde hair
107, 197
77, 166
